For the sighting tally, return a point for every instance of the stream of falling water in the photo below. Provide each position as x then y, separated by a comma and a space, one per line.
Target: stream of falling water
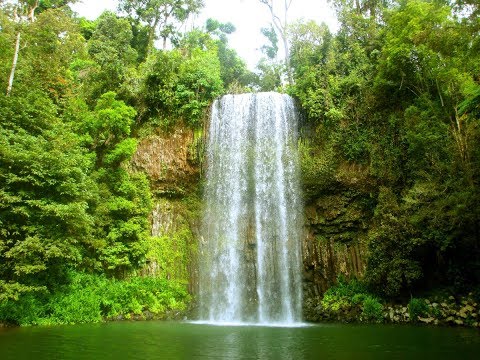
250, 253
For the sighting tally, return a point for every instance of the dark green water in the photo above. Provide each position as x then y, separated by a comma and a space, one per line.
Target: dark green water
171, 340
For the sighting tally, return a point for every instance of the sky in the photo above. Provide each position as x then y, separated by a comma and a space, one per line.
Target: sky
248, 16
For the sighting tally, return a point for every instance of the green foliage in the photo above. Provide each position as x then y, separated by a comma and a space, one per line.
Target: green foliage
233, 70
416, 308
182, 86
271, 49
348, 289
353, 297
395, 91
48, 46
392, 263
269, 75
312, 61
172, 252
161, 13
372, 309
113, 120
93, 298
123, 151
110, 48
44, 190
318, 163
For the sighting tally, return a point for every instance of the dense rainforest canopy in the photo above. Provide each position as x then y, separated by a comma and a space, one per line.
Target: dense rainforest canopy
394, 93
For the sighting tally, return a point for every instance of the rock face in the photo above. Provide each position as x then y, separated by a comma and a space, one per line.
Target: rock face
172, 163
170, 160
336, 225
174, 245
336, 216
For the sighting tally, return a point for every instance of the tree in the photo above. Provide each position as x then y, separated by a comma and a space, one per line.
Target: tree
313, 63
23, 12
45, 192
280, 23
160, 15
124, 200
271, 50
112, 53
393, 265
181, 84
233, 69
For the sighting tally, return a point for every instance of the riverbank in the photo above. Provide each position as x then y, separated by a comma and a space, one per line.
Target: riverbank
449, 311
89, 298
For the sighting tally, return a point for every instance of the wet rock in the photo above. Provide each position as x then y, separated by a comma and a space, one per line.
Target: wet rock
167, 160
428, 320
148, 315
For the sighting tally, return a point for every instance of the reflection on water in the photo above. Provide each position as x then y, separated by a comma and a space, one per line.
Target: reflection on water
255, 342
170, 340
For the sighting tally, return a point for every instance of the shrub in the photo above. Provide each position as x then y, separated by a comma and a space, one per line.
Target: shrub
92, 298
416, 308
353, 297
372, 309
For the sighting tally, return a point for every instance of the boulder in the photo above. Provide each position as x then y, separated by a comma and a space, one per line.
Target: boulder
428, 320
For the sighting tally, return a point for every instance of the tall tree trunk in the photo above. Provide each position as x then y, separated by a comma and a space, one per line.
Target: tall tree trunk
151, 36
358, 7
31, 11
282, 28
285, 42
14, 65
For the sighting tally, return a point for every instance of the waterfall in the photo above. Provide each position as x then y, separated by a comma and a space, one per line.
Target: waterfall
250, 251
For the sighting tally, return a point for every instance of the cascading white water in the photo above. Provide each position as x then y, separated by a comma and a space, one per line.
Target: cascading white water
250, 253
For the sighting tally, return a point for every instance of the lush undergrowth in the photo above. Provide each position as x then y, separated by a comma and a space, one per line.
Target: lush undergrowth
352, 299
93, 298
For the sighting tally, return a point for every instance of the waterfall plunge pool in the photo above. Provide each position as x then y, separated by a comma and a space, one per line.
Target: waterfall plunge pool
183, 340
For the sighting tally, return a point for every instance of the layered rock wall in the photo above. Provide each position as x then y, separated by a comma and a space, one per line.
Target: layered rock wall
336, 224
336, 216
171, 161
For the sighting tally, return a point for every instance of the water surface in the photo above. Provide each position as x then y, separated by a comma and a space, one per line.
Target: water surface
174, 340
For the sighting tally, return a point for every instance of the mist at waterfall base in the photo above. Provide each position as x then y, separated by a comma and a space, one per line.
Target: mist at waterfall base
250, 252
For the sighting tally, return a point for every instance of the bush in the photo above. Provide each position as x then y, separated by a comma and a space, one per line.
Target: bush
353, 298
93, 298
26, 311
416, 308
372, 309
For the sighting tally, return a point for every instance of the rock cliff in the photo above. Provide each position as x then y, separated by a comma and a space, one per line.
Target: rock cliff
336, 222
172, 163
336, 215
